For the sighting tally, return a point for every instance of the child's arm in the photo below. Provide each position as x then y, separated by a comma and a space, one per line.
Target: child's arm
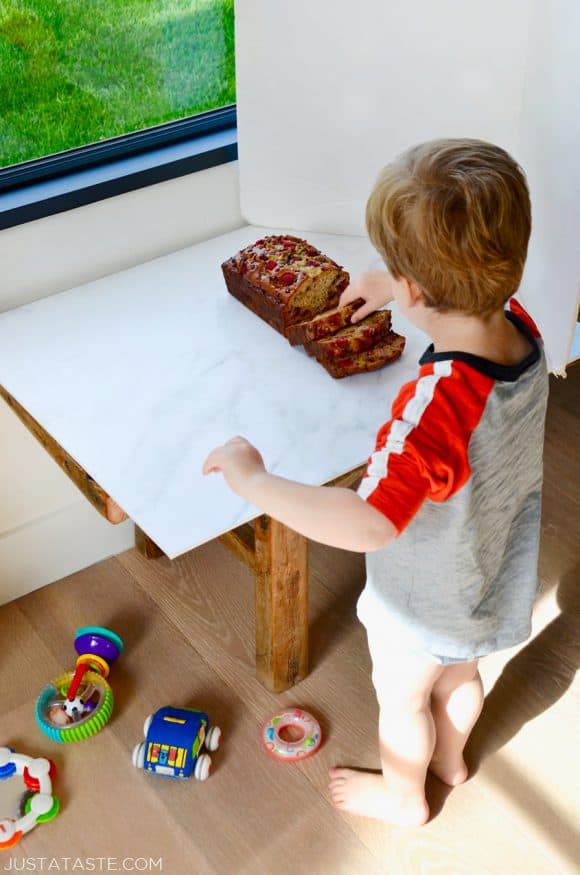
374, 287
331, 515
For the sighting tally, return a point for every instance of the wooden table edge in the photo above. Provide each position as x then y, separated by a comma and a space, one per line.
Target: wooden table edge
100, 500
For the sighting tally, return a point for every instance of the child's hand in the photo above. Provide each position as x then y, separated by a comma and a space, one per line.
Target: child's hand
374, 287
238, 461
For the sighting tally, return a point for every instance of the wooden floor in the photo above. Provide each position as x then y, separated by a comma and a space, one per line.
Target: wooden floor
188, 628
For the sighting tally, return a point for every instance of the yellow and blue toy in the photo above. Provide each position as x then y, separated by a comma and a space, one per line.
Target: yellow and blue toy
175, 739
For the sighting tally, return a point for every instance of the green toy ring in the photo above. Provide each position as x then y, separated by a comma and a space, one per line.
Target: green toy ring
88, 726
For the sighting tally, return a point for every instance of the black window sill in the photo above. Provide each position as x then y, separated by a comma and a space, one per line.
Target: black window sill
40, 199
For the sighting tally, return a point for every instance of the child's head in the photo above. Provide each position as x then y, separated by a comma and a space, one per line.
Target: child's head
453, 217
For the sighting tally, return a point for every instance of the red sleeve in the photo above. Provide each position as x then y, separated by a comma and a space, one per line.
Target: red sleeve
422, 452
516, 308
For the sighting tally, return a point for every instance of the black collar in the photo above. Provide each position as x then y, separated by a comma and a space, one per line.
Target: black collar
507, 373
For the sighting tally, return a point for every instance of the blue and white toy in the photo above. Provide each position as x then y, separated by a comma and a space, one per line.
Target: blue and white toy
175, 739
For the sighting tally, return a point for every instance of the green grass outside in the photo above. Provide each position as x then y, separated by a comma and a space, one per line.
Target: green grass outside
74, 72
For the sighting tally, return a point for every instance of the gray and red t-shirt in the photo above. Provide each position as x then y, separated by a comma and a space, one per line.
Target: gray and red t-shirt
458, 471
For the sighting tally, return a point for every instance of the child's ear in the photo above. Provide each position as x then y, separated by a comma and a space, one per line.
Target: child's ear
416, 294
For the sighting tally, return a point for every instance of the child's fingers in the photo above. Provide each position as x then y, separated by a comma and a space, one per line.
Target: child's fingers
362, 312
212, 463
350, 294
208, 468
217, 457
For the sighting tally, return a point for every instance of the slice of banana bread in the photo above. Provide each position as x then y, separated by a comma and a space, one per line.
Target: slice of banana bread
354, 338
386, 350
284, 280
323, 325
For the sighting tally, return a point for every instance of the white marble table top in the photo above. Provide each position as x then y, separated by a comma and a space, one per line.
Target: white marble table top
139, 374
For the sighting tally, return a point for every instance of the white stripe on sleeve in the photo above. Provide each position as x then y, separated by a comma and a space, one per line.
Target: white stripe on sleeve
401, 428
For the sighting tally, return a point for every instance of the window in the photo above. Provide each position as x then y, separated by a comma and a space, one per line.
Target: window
83, 81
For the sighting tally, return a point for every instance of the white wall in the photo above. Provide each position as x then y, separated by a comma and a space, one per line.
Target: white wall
329, 91
62, 251
549, 146
47, 529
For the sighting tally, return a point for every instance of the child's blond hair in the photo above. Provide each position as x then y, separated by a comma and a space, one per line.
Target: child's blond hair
453, 216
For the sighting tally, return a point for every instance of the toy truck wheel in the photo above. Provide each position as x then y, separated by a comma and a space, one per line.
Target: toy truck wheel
147, 724
139, 755
213, 738
202, 767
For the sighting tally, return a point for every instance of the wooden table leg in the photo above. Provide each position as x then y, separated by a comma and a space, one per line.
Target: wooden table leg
278, 557
146, 546
281, 590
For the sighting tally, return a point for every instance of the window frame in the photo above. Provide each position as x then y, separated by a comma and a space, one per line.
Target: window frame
56, 183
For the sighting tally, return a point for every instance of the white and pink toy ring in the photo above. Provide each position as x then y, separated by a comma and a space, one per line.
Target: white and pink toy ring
292, 735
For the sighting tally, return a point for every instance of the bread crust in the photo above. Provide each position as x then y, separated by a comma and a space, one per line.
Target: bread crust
354, 338
324, 324
267, 307
386, 351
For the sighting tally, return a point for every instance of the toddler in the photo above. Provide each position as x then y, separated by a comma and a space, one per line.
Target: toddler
448, 512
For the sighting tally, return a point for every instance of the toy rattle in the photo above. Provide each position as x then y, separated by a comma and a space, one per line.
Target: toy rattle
76, 705
31, 801
292, 735
174, 740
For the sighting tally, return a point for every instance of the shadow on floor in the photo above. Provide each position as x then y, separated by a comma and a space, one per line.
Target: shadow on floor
537, 677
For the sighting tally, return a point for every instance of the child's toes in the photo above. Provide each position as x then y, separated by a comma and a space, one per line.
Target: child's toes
337, 795
337, 786
337, 775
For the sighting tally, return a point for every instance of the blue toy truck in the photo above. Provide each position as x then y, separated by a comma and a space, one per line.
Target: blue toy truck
174, 741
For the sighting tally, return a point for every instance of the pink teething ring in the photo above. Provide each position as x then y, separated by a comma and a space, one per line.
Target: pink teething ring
291, 735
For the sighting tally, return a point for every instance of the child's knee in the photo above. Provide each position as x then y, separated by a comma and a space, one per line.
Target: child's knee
395, 701
454, 676
403, 678
402, 692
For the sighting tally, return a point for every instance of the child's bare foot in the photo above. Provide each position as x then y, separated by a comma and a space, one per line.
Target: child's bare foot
450, 773
365, 793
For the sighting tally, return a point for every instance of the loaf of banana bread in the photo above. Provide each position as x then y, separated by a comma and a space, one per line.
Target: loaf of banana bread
295, 289
354, 338
385, 351
284, 280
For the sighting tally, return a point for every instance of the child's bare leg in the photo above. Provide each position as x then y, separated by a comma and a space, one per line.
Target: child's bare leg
406, 741
456, 703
